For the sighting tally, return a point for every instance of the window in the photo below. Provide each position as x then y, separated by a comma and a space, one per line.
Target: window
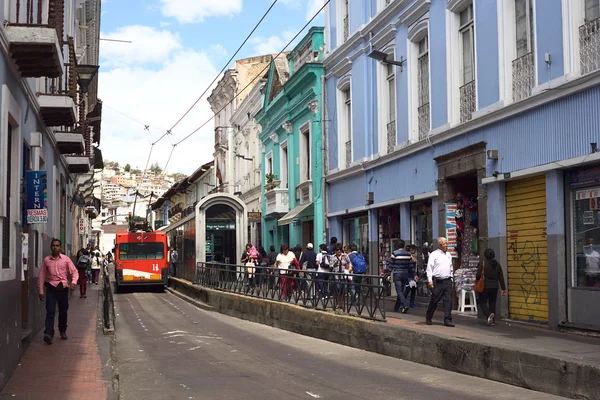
6, 221
589, 37
305, 169
269, 162
592, 10
141, 251
467, 64
346, 21
348, 127
423, 88
523, 72
283, 168
586, 237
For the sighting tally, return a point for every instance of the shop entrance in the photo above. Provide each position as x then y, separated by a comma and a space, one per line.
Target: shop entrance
220, 234
308, 235
421, 226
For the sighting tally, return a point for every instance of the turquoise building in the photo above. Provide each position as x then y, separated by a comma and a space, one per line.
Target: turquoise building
291, 138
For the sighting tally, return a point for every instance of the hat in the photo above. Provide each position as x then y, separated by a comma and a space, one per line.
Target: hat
309, 246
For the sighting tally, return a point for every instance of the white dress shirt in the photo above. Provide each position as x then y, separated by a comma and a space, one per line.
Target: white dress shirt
439, 265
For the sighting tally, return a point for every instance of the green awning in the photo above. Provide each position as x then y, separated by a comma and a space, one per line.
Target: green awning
303, 210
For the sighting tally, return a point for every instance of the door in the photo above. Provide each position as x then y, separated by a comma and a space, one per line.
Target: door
527, 249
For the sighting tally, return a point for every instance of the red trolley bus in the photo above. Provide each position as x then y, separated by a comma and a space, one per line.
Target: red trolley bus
141, 259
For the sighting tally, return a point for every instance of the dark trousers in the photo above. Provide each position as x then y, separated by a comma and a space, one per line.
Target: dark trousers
54, 296
442, 291
488, 295
400, 281
95, 275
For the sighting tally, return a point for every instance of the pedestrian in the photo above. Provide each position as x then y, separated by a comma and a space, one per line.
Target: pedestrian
308, 262
493, 279
284, 263
174, 260
439, 276
83, 263
250, 261
97, 262
332, 245
323, 271
402, 268
358, 267
411, 288
54, 283
271, 259
338, 266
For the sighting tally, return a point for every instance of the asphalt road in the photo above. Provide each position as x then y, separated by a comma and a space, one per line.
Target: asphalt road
169, 349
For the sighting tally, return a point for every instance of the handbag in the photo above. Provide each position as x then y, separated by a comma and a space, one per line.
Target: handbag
480, 283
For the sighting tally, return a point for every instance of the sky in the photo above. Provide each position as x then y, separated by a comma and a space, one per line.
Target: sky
177, 48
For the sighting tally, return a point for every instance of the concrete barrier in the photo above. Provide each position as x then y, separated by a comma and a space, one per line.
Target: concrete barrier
541, 373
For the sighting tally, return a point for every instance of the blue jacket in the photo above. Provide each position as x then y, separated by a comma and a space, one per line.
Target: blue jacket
401, 262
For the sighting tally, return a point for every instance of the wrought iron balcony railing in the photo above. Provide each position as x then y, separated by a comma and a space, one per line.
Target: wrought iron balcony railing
346, 29
424, 121
391, 136
348, 153
589, 46
467, 101
523, 75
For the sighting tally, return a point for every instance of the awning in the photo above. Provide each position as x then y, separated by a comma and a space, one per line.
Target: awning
170, 227
298, 212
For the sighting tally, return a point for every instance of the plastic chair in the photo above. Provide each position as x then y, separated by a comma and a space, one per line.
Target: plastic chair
462, 301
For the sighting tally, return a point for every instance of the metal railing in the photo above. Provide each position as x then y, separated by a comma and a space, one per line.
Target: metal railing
48, 13
348, 153
346, 29
589, 46
221, 137
391, 136
303, 56
355, 294
523, 75
467, 101
424, 121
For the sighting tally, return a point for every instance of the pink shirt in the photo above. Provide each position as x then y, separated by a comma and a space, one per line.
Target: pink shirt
56, 270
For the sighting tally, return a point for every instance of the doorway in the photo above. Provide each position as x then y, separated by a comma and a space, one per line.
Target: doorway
308, 234
220, 230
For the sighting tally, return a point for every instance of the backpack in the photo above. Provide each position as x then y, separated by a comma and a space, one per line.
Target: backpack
359, 265
84, 262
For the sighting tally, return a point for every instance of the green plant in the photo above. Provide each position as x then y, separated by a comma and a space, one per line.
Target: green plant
270, 178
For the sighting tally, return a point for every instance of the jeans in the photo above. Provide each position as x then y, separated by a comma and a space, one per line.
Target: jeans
400, 281
413, 293
56, 295
95, 274
442, 291
355, 289
488, 295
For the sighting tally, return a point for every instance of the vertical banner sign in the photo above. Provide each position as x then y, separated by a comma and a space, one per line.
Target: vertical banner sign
81, 226
451, 233
37, 197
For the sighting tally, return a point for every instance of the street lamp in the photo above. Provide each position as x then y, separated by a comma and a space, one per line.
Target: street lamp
384, 58
85, 76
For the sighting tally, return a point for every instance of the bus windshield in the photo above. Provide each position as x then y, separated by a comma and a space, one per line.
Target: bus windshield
141, 251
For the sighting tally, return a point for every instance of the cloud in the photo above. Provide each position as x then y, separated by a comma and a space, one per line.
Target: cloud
157, 95
274, 44
148, 45
189, 11
312, 8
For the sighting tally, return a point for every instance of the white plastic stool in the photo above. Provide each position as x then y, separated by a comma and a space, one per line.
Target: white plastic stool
463, 306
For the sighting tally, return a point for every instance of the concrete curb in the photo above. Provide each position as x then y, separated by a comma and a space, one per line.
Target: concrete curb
528, 370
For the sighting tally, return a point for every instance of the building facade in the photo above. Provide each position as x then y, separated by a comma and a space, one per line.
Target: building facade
474, 120
291, 120
50, 124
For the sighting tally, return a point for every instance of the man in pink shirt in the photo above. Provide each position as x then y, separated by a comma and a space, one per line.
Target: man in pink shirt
54, 282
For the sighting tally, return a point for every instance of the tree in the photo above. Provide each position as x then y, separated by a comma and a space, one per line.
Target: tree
155, 168
116, 165
136, 171
127, 167
177, 176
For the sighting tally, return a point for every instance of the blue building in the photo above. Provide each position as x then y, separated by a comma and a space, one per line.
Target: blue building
476, 120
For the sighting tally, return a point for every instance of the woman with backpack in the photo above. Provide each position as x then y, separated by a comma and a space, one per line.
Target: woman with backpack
97, 262
82, 265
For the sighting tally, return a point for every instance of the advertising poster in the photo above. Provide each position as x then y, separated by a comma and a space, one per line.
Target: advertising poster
451, 232
37, 197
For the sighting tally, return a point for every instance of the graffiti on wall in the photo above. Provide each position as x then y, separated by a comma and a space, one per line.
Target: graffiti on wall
528, 256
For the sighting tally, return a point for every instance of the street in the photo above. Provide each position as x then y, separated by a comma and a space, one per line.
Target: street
170, 349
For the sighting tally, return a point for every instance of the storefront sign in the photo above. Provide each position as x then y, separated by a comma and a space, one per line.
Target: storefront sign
451, 232
81, 226
254, 214
588, 218
220, 226
209, 247
37, 197
296, 222
585, 176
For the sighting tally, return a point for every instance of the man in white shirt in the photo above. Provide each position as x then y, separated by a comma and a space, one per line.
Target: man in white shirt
439, 276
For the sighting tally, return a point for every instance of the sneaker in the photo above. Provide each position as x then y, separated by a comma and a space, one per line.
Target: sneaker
85, 296
490, 320
81, 297
47, 339
63, 336
404, 310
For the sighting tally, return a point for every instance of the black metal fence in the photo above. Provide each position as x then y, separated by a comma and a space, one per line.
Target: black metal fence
355, 294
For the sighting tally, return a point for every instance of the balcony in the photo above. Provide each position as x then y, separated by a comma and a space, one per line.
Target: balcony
34, 30
277, 203
424, 121
391, 137
304, 192
348, 153
346, 28
70, 142
589, 46
78, 164
221, 142
303, 55
467, 101
523, 74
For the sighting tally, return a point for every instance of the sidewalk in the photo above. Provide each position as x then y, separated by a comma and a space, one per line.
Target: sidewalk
506, 334
70, 369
